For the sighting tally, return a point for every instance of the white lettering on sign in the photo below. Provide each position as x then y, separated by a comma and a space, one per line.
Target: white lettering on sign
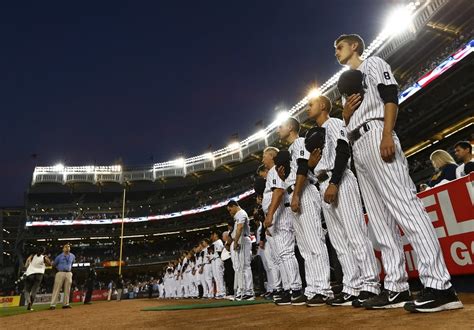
461, 254
430, 201
453, 226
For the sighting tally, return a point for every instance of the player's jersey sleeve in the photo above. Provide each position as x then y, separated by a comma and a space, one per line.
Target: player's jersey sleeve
240, 217
218, 245
336, 129
274, 181
380, 72
300, 150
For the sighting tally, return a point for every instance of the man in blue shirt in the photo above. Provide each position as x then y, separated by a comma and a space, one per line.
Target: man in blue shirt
63, 263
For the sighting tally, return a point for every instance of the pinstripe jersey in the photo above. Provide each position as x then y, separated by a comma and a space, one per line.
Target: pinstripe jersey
335, 130
273, 182
297, 150
241, 217
375, 71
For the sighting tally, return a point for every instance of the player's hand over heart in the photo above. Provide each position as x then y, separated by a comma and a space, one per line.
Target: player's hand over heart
351, 105
314, 158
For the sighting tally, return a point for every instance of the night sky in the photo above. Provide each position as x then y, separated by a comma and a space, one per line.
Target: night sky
86, 83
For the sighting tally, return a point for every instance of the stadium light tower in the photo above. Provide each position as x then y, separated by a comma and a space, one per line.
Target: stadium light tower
234, 146
261, 134
315, 92
179, 162
58, 167
282, 116
399, 20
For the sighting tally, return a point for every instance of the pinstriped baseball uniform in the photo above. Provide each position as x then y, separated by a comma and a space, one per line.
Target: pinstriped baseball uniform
389, 193
282, 232
218, 268
243, 282
270, 265
275, 273
169, 283
345, 220
208, 288
186, 279
309, 233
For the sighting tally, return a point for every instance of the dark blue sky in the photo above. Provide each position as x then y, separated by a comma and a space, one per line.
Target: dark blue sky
85, 82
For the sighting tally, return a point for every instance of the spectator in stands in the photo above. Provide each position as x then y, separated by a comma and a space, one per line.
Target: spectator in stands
445, 167
63, 278
463, 153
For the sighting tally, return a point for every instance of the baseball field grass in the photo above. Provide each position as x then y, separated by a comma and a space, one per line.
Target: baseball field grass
9, 311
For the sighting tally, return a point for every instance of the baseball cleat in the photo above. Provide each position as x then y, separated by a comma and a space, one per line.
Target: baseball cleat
284, 299
433, 300
248, 297
317, 300
363, 296
388, 299
341, 299
298, 298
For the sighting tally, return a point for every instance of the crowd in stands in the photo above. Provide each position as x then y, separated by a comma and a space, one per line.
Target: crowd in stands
433, 62
144, 204
442, 165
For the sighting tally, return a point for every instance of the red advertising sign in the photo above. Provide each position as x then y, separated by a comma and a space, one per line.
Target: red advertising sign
450, 207
78, 296
112, 263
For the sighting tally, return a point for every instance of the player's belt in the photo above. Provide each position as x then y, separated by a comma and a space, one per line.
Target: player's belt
323, 176
354, 136
291, 188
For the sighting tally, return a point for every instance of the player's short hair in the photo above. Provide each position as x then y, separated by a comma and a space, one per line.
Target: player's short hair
232, 203
351, 39
327, 103
294, 124
272, 150
464, 145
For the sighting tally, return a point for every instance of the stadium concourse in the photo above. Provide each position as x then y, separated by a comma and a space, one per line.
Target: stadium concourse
167, 210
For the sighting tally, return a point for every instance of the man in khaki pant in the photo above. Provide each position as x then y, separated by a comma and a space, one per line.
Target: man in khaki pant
63, 279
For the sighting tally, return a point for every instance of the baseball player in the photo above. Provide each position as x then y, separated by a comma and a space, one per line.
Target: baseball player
306, 206
275, 268
241, 249
217, 265
370, 112
342, 206
194, 275
279, 222
179, 279
199, 270
208, 287
268, 264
